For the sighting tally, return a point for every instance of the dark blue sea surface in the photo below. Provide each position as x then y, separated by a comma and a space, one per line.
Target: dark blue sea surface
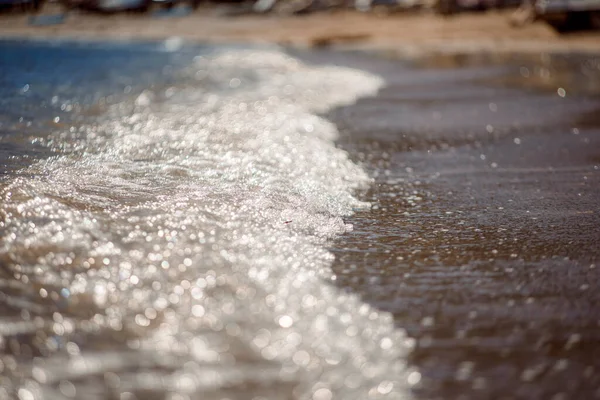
47, 84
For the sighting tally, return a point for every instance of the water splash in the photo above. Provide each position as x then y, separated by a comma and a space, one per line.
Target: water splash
179, 250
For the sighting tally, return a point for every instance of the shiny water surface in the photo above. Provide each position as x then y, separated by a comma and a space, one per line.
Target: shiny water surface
165, 216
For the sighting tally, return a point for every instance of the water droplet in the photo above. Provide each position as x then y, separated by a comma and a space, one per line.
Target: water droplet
413, 378
322, 394
285, 321
385, 387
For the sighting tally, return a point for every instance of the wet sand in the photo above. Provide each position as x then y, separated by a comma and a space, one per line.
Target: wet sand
408, 34
483, 242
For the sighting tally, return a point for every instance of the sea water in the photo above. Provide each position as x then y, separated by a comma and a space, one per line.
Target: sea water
165, 214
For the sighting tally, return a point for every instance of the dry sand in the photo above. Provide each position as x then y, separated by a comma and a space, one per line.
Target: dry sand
409, 33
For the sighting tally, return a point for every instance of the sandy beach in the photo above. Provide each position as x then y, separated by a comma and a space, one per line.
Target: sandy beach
409, 34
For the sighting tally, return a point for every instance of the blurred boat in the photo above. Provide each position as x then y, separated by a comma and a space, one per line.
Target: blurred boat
569, 15
168, 5
46, 20
24, 5
173, 10
108, 6
447, 7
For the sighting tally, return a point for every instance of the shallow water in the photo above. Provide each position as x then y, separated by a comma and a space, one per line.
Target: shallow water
484, 237
170, 240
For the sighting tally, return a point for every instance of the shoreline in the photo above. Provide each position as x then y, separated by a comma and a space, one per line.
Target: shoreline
408, 35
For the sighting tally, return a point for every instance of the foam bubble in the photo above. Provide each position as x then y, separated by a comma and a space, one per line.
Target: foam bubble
191, 237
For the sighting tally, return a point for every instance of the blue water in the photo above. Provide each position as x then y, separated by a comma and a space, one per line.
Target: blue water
47, 84
35, 72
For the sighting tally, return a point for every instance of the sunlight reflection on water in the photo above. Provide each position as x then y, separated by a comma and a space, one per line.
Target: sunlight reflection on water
174, 245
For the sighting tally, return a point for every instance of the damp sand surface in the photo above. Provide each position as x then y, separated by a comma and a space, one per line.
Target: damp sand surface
411, 33
483, 241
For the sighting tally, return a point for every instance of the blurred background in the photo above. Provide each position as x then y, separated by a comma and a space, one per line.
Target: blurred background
562, 15
299, 199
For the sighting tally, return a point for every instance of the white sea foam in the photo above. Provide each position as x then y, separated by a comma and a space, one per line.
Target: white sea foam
181, 248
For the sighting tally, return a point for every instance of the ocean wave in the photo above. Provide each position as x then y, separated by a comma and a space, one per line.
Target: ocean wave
181, 248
